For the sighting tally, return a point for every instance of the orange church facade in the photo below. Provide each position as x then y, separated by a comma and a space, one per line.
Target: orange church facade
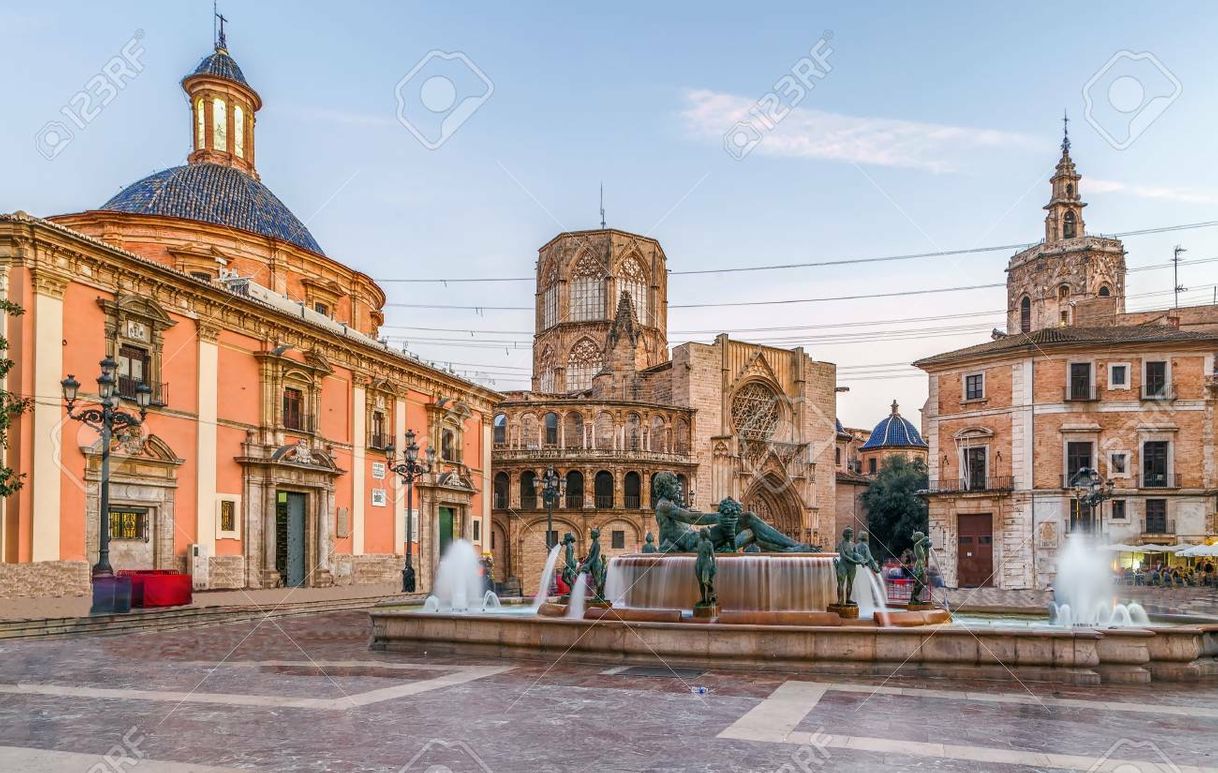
262, 461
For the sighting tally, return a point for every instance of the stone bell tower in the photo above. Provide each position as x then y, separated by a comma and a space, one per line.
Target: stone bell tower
1046, 282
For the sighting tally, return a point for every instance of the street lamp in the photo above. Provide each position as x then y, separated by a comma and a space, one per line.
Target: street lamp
105, 418
1090, 489
410, 470
549, 485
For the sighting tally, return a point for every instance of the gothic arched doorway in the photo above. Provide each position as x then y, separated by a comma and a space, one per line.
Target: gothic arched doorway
775, 500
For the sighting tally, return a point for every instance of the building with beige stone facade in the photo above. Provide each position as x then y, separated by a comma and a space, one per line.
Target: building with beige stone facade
1075, 383
610, 409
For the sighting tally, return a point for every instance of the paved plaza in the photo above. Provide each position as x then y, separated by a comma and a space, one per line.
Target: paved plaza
307, 694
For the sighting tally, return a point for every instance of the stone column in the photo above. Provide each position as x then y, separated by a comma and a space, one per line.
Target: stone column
487, 483
399, 489
359, 446
48, 413
206, 436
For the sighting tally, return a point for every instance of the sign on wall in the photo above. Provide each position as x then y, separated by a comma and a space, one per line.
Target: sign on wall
379, 498
378, 470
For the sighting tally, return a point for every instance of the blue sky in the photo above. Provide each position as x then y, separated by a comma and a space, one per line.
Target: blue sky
936, 129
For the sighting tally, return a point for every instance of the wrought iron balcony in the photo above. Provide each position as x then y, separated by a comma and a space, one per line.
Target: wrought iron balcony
529, 502
1080, 393
1159, 392
604, 501
128, 385
379, 440
971, 486
632, 502
1158, 526
565, 455
574, 501
1160, 480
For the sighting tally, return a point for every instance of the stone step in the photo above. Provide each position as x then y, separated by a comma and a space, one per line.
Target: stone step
178, 617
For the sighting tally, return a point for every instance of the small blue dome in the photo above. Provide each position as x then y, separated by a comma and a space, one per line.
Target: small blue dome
894, 431
221, 65
216, 194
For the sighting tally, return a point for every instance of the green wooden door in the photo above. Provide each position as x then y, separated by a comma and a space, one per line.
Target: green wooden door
290, 537
446, 529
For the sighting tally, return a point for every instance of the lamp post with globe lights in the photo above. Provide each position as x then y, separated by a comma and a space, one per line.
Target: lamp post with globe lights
410, 469
105, 417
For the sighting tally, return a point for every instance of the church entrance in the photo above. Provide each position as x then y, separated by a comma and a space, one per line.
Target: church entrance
446, 529
776, 502
290, 537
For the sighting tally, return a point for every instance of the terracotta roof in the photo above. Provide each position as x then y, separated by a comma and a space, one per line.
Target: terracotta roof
1052, 337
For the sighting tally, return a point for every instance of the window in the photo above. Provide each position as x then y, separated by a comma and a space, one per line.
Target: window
583, 363
603, 484
1156, 516
1118, 464
1118, 376
501, 490
551, 426
1063, 292
975, 468
202, 276
633, 489
1078, 457
132, 369
837, 456
617, 539
588, 290
573, 431
575, 490
974, 386
659, 435
634, 432
633, 280
871, 465
1080, 382
1155, 379
1069, 226
239, 131
322, 309
293, 408
128, 523
200, 126
448, 446
549, 306
500, 425
1064, 317
1025, 315
1104, 291
380, 430
219, 125
1118, 510
528, 490
477, 531
545, 366
1155, 458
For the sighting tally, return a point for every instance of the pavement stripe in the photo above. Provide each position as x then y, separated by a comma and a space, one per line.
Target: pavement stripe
50, 761
777, 716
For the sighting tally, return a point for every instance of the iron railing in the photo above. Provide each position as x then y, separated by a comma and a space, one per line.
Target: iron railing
967, 485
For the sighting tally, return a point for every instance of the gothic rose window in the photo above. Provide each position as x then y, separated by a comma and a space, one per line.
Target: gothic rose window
588, 290
633, 280
755, 417
583, 363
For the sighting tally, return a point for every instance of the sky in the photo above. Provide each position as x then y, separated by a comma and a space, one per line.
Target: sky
925, 129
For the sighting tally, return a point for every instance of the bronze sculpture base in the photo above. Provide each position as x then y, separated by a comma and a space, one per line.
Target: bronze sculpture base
706, 611
917, 606
845, 611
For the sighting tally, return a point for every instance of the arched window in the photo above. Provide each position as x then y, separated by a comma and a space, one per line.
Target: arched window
1069, 225
1025, 314
528, 490
634, 432
1104, 291
1063, 292
528, 431
200, 125
575, 490
583, 363
573, 430
659, 435
603, 431
502, 484
239, 131
686, 494
837, 456
587, 289
219, 125
551, 424
632, 279
546, 366
604, 490
450, 450
500, 425
680, 440
1069, 190
549, 298
633, 486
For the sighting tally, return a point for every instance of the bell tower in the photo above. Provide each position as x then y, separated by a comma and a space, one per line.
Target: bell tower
222, 105
1070, 278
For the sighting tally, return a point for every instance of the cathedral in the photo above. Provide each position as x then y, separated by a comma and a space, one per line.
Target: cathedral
610, 407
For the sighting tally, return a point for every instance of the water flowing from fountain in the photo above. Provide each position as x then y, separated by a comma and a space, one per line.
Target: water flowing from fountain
547, 577
459, 582
747, 581
1084, 593
579, 592
868, 592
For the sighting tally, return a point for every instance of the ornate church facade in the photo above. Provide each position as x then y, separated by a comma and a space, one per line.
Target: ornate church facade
262, 461
610, 408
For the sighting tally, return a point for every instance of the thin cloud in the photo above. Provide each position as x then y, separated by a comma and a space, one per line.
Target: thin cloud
806, 133
1166, 193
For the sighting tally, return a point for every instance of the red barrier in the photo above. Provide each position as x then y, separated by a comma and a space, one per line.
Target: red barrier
158, 587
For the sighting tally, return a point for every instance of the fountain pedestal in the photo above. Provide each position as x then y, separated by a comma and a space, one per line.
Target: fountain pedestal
918, 606
845, 611
706, 611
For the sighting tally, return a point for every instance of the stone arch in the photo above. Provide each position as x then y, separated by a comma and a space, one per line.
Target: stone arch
603, 485
573, 430
503, 490
529, 437
634, 432
773, 497
632, 278
681, 439
550, 429
659, 434
603, 430
583, 362
1025, 314
632, 490
500, 427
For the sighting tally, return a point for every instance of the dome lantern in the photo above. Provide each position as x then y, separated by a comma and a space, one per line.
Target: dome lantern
222, 105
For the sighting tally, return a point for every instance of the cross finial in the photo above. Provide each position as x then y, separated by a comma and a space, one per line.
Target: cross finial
221, 43
602, 204
1065, 132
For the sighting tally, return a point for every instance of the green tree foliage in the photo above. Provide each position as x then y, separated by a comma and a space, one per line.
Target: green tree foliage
894, 510
11, 406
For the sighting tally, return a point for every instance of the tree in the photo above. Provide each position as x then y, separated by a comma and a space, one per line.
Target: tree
894, 509
11, 405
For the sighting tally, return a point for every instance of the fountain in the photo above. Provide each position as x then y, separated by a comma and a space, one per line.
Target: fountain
459, 581
579, 596
869, 594
1084, 594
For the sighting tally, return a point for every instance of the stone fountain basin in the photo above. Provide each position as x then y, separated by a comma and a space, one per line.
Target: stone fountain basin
1073, 656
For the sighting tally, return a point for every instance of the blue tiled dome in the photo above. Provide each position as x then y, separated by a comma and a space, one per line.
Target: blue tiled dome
221, 65
215, 194
894, 432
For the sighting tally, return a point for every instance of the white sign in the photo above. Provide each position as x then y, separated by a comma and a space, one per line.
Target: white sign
379, 499
378, 470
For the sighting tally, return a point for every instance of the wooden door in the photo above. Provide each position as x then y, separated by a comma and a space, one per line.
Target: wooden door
975, 550
446, 529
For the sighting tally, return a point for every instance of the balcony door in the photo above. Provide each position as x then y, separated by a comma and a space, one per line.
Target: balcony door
1080, 381
975, 468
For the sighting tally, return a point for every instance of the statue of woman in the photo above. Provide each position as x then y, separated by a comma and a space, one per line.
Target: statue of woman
569, 567
594, 565
921, 548
704, 568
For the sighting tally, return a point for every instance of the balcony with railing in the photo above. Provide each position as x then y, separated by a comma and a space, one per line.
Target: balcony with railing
128, 385
1158, 391
530, 502
501, 500
1160, 480
519, 453
633, 502
574, 501
604, 501
972, 485
379, 440
299, 422
1157, 527
1080, 393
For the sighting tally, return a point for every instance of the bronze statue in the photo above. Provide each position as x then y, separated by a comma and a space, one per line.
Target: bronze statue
862, 548
730, 529
704, 568
649, 545
594, 565
570, 569
921, 548
846, 564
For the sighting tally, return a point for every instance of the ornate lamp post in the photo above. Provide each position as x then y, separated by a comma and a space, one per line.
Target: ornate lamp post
410, 470
105, 418
1090, 489
549, 485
